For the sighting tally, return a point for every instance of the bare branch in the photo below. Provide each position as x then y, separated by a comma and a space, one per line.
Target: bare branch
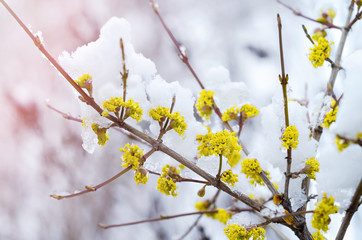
353, 207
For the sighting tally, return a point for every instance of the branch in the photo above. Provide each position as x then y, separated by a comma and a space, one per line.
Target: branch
92, 189
298, 13
156, 219
317, 132
353, 207
284, 81
184, 58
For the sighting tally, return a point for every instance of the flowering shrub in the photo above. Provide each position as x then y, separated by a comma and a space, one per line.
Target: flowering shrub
115, 97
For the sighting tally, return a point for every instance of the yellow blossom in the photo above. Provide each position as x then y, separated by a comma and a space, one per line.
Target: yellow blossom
176, 121
331, 115
311, 167
251, 168
202, 205
205, 103
320, 52
321, 214
132, 156
85, 81
133, 110
140, 177
130, 108
318, 236
235, 232
290, 137
342, 143
102, 134
327, 17
222, 215
165, 183
230, 114
221, 143
229, 178
249, 111
160, 113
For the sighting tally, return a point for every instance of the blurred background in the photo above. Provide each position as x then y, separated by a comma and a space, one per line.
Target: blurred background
41, 152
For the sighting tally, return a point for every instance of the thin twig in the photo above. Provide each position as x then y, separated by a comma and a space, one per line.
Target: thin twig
353, 207
94, 188
268, 183
184, 58
298, 13
156, 219
284, 81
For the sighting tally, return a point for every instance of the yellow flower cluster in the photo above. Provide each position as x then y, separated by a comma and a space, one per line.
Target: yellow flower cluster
229, 178
320, 52
140, 177
321, 214
166, 183
132, 156
327, 17
318, 236
342, 143
221, 215
235, 232
247, 111
311, 167
331, 115
221, 143
205, 103
290, 137
176, 121
251, 168
130, 108
102, 134
85, 81
358, 2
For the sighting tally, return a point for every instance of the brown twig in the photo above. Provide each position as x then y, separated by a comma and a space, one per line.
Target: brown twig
284, 81
298, 13
94, 188
353, 207
156, 219
268, 183
184, 58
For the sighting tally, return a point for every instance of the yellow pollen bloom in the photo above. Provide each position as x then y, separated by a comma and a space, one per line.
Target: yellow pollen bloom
321, 214
166, 183
132, 156
229, 178
318, 236
251, 168
102, 134
85, 81
342, 143
290, 137
331, 115
249, 111
235, 232
176, 121
130, 108
320, 52
311, 167
205, 103
221, 143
